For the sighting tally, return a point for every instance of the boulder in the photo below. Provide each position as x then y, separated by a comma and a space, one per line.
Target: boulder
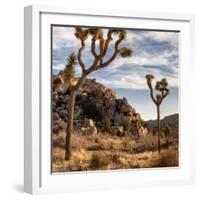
118, 119
143, 131
89, 127
78, 113
62, 88
58, 80
55, 97
125, 107
91, 123
56, 129
126, 119
63, 113
54, 106
55, 116
66, 99
59, 108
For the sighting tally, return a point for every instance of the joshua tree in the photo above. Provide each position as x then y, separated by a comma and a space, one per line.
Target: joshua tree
100, 61
69, 70
161, 86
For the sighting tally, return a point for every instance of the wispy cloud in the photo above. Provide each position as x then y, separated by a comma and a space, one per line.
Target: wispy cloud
133, 75
154, 52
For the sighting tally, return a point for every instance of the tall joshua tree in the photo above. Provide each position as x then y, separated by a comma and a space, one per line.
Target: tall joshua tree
100, 61
161, 86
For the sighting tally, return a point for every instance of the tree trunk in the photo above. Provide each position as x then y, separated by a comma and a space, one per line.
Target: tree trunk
70, 127
70, 120
158, 126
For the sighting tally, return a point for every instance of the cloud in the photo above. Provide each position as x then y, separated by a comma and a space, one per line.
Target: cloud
155, 52
64, 43
64, 36
133, 75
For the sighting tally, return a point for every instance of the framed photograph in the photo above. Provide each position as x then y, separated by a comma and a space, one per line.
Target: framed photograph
107, 99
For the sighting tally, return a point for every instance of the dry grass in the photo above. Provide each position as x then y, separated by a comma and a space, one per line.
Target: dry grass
166, 159
103, 152
99, 160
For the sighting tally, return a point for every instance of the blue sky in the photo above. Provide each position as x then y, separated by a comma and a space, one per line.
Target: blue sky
154, 52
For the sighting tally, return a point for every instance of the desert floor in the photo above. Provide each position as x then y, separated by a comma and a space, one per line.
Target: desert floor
107, 152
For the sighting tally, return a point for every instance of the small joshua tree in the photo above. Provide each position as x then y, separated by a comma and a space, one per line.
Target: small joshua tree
161, 86
100, 61
69, 70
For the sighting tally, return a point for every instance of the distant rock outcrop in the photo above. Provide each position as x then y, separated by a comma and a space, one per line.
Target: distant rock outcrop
96, 104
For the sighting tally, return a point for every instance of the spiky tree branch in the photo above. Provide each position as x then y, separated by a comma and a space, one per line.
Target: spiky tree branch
108, 40
69, 70
80, 55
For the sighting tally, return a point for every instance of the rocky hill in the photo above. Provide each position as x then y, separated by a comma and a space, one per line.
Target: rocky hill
96, 105
168, 124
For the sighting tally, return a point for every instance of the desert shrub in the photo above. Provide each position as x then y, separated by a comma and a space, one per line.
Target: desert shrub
115, 158
96, 140
150, 142
59, 140
154, 131
107, 124
166, 131
147, 143
126, 125
94, 147
99, 160
168, 159
75, 166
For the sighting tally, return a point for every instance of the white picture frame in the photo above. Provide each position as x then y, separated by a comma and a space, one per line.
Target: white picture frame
37, 146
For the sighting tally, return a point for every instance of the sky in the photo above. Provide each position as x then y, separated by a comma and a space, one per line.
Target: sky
154, 52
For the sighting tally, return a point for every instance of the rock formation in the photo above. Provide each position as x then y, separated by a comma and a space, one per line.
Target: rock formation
97, 109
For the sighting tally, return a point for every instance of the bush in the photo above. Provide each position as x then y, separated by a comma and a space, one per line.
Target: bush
168, 159
99, 160
107, 124
147, 143
115, 158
